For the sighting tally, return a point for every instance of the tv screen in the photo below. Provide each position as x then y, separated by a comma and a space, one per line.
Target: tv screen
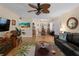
4, 24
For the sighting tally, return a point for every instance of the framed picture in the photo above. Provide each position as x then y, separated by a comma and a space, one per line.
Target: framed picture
24, 24
13, 22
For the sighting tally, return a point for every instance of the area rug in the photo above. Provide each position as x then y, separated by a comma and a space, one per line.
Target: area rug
26, 49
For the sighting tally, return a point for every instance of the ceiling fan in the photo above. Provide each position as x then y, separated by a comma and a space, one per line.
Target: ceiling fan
40, 8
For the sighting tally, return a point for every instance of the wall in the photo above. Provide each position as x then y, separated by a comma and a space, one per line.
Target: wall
51, 26
60, 22
64, 18
56, 25
8, 14
27, 31
5, 13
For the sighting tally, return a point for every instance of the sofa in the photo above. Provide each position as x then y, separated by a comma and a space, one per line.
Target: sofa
51, 33
70, 45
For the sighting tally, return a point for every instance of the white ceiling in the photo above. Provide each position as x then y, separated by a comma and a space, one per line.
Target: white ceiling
55, 9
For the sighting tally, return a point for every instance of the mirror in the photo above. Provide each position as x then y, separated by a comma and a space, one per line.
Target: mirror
72, 23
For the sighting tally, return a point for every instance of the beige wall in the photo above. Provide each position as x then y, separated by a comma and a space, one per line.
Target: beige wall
8, 14
60, 22
63, 18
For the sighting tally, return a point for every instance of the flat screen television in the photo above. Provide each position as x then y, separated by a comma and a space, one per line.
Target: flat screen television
4, 24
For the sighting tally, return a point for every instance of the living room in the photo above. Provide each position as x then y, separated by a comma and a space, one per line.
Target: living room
26, 26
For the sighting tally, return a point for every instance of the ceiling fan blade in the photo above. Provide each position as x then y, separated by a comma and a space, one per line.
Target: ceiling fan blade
37, 13
38, 4
45, 6
45, 11
32, 10
33, 6
38, 9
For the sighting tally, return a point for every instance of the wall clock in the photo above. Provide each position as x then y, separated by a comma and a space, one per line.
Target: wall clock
72, 23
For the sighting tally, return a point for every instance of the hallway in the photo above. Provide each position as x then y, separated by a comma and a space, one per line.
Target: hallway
34, 41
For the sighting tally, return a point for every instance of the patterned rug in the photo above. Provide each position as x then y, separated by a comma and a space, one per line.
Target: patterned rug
27, 49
